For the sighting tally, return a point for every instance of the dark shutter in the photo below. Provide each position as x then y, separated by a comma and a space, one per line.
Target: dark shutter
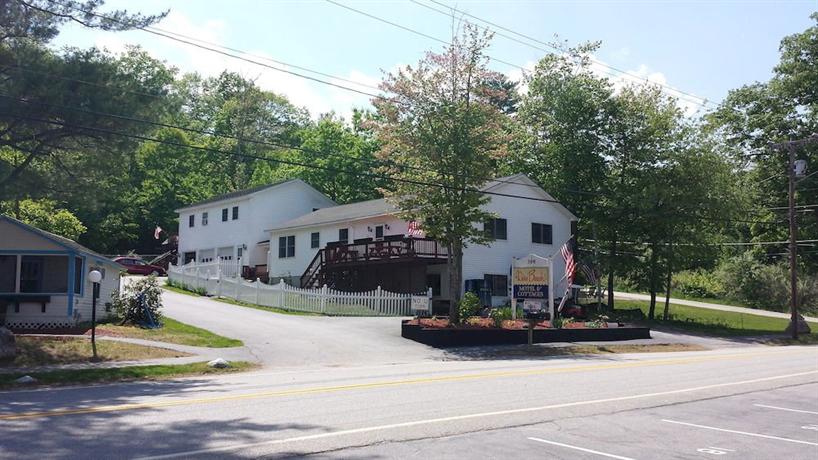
282, 246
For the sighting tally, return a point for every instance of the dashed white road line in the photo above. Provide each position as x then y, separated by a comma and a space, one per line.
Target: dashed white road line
370, 429
745, 433
800, 411
582, 449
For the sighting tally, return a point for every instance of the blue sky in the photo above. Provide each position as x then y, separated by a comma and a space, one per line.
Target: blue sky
702, 47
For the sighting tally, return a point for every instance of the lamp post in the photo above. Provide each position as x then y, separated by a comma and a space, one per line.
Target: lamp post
95, 277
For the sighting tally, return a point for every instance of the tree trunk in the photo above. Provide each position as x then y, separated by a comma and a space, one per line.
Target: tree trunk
455, 266
653, 262
667, 281
611, 257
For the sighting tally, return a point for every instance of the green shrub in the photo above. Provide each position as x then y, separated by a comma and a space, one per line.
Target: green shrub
698, 283
469, 306
128, 304
500, 314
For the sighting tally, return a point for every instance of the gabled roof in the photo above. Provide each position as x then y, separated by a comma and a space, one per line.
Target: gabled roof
341, 213
236, 194
380, 207
68, 244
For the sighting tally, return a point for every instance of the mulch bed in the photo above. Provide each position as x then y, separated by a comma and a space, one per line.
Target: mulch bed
488, 323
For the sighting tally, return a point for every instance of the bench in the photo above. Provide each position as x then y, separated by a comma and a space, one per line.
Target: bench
17, 299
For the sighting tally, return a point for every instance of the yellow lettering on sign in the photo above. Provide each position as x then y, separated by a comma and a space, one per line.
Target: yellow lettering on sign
531, 275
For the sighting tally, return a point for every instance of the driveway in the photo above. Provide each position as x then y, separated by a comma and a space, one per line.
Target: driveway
279, 340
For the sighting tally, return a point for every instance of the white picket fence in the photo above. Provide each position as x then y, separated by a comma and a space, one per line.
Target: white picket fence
222, 279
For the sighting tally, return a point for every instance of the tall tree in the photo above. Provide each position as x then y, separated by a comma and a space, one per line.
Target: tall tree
440, 127
782, 108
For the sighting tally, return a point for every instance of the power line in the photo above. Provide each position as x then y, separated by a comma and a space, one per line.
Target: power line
315, 152
234, 56
414, 31
690, 97
809, 243
287, 162
376, 163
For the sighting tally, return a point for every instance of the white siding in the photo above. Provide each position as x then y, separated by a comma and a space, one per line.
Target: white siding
56, 314
478, 260
257, 213
519, 213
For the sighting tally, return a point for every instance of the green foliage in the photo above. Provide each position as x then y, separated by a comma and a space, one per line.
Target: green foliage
469, 306
185, 289
698, 283
39, 20
441, 127
45, 215
129, 305
501, 314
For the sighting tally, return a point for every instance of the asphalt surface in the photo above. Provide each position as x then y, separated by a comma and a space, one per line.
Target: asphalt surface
488, 408
283, 341
777, 423
352, 388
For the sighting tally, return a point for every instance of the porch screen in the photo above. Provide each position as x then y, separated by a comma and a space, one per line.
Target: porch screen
8, 273
44, 274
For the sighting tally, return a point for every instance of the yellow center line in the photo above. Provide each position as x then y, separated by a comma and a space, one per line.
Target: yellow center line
382, 384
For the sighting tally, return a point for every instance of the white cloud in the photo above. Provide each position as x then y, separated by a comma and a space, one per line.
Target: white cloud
317, 97
643, 75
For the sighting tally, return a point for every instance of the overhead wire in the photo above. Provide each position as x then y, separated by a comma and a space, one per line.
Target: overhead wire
687, 96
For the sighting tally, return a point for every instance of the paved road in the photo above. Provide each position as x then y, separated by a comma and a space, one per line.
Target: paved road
488, 408
280, 341
713, 306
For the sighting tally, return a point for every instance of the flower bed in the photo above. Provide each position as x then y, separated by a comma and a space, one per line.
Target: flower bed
438, 333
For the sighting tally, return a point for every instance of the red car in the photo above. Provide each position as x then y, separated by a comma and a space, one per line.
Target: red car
136, 266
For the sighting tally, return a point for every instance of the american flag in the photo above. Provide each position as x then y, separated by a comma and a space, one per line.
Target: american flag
414, 230
570, 271
570, 263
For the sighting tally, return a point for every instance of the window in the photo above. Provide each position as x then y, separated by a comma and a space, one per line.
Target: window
433, 281
497, 285
224, 215
496, 229
8, 273
379, 232
204, 219
235, 212
44, 274
315, 240
78, 274
541, 233
343, 235
286, 246
191, 220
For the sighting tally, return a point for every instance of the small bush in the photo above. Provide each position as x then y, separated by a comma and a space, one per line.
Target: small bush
128, 304
469, 306
500, 314
697, 283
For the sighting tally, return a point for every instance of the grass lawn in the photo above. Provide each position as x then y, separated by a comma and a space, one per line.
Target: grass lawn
264, 308
172, 331
42, 351
180, 290
159, 372
711, 322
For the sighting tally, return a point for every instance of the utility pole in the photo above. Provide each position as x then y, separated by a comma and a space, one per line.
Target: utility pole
792, 176
793, 246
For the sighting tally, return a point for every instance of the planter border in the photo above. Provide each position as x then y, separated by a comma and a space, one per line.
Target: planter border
453, 337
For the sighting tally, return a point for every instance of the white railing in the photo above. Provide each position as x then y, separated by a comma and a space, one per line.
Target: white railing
223, 279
